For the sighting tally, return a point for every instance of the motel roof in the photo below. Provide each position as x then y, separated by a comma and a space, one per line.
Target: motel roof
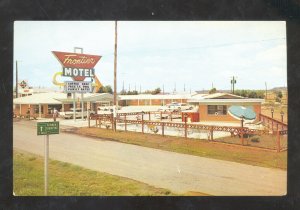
89, 97
41, 98
60, 97
158, 96
222, 98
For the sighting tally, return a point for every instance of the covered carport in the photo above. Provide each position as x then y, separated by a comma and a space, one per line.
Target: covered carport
41, 104
90, 101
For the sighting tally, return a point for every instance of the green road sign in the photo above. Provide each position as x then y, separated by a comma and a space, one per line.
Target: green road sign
47, 128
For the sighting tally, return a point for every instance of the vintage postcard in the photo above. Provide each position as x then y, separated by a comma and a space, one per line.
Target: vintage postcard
150, 108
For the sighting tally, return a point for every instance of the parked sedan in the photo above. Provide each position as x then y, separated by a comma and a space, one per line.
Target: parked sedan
175, 107
69, 114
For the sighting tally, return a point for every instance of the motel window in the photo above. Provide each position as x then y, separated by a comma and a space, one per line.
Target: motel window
146, 102
217, 110
51, 108
36, 109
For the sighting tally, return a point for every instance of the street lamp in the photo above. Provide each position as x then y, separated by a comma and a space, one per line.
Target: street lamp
143, 121
242, 121
185, 126
281, 113
185, 117
272, 111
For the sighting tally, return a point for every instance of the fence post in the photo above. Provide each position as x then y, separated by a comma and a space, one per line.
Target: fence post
89, 121
163, 128
278, 141
96, 119
112, 121
160, 115
185, 127
125, 123
272, 124
149, 115
142, 122
212, 133
242, 137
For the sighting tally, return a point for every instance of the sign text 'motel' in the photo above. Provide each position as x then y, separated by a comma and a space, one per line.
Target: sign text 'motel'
75, 72
47, 128
78, 66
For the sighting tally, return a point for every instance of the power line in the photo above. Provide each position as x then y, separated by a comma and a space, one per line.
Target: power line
195, 48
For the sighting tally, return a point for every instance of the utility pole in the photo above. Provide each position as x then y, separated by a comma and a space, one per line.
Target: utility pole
140, 89
266, 91
183, 87
233, 81
17, 91
115, 77
163, 89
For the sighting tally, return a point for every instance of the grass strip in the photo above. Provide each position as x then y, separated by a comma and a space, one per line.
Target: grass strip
196, 147
70, 180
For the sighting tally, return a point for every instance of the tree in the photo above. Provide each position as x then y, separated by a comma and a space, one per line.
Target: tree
124, 92
278, 96
153, 92
105, 89
250, 93
213, 90
156, 91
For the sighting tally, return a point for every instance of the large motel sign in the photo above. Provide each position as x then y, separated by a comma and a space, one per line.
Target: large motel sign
78, 66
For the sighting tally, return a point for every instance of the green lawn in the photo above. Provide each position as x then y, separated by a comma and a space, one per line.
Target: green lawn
203, 148
71, 180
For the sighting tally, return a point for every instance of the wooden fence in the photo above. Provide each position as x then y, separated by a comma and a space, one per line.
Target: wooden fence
272, 123
241, 132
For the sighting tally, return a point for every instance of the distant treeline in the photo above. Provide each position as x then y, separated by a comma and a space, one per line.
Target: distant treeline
250, 93
134, 92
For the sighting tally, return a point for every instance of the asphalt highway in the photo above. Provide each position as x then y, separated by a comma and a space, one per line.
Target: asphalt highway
177, 172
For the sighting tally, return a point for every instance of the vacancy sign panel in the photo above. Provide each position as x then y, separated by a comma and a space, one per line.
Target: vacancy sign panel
78, 87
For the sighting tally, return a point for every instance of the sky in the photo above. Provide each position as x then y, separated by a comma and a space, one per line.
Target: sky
194, 55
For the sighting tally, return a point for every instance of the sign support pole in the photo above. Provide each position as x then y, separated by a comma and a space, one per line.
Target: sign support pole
17, 83
46, 163
115, 77
74, 107
82, 107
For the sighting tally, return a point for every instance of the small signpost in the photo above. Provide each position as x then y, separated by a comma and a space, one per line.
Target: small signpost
47, 128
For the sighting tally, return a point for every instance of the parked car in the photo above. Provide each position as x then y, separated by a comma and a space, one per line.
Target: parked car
69, 114
106, 109
175, 107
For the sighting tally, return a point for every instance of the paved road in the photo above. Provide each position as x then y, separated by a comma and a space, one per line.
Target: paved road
178, 172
